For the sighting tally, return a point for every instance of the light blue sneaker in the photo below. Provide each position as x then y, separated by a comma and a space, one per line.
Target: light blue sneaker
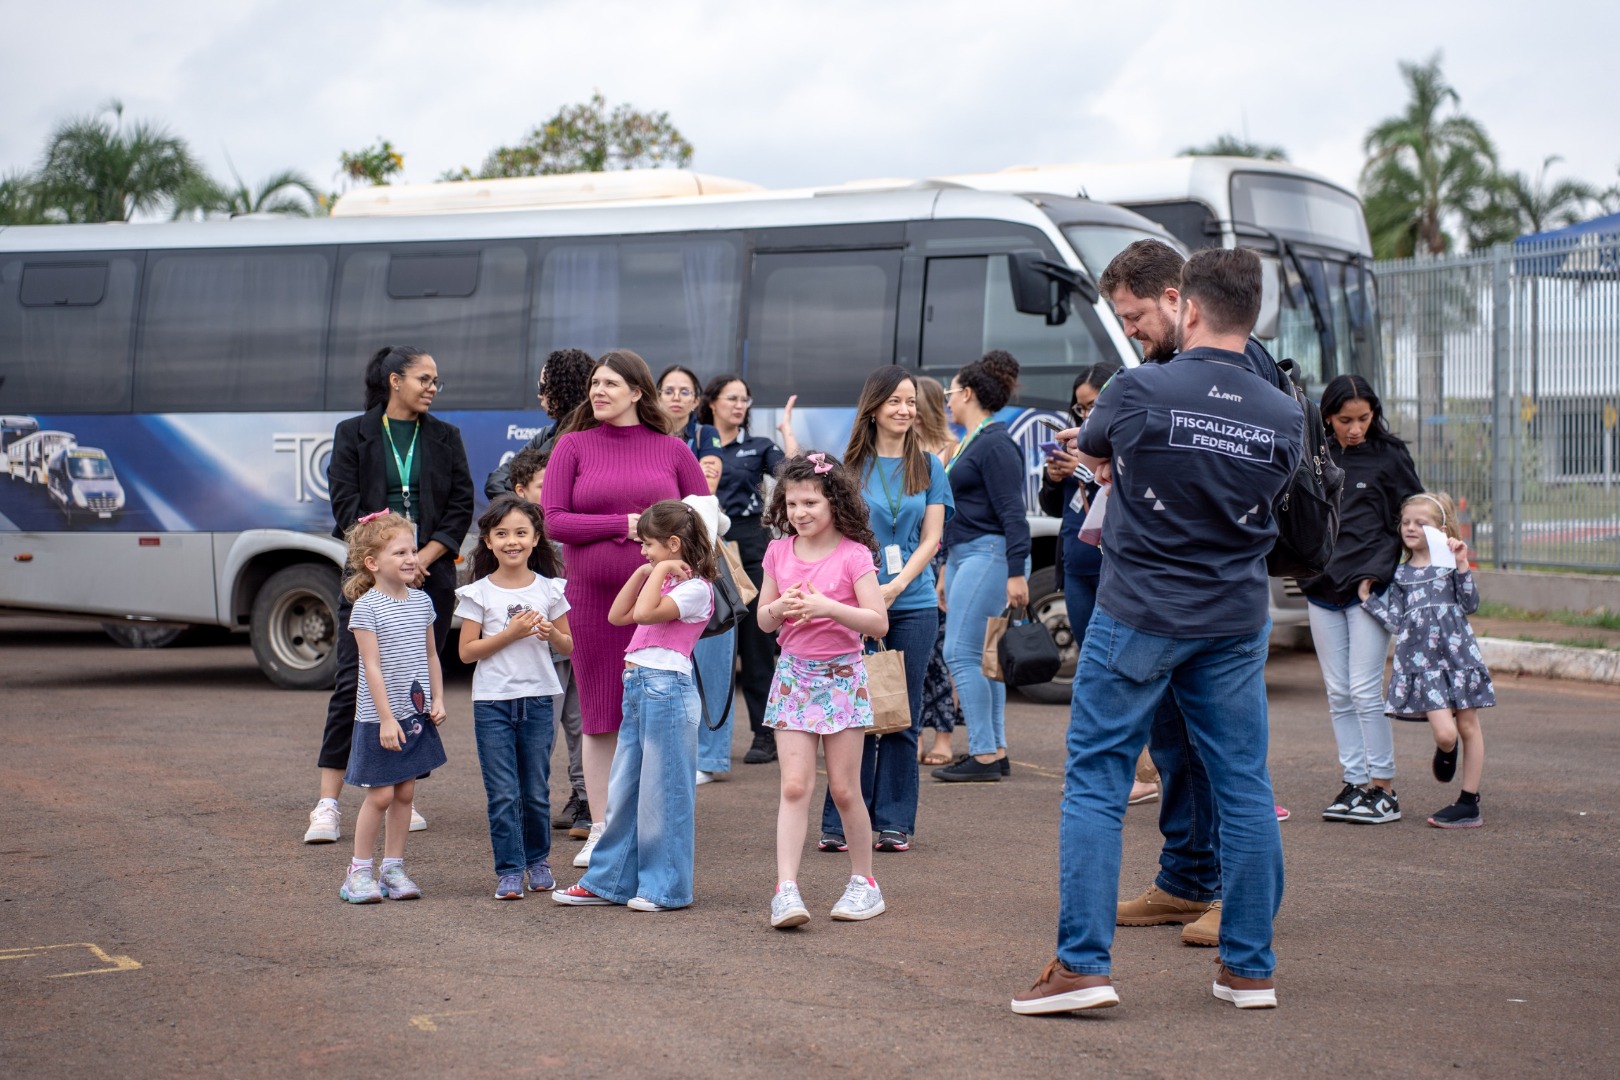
360, 887
397, 886
510, 887
540, 879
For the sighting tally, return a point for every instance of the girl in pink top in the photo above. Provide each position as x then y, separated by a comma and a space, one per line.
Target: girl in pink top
820, 595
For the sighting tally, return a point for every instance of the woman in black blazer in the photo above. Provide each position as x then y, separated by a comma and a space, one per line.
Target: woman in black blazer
394, 456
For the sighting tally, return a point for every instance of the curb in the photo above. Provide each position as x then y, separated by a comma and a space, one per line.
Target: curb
1503, 656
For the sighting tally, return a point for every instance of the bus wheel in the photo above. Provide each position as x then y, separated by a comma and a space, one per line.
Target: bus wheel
1046, 606
294, 627
139, 635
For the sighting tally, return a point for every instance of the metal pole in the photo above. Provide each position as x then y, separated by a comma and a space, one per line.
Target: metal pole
1502, 418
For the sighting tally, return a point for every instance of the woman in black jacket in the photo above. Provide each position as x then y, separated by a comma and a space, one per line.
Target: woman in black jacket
396, 457
1350, 645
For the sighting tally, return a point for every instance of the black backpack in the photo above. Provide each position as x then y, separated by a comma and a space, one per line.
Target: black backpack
1307, 512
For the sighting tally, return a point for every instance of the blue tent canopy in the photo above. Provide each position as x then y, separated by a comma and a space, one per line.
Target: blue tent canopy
1585, 249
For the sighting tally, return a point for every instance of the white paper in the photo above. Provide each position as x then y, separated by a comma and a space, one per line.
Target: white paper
1091, 528
1439, 551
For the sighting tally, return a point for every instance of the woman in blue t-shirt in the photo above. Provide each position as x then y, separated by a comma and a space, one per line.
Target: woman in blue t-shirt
908, 499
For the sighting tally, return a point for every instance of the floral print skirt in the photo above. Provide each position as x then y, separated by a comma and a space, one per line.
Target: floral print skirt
822, 697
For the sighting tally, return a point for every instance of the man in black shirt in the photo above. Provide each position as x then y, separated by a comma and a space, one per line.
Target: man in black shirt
1197, 450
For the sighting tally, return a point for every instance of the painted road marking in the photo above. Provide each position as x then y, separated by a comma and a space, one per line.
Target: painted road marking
118, 963
425, 1021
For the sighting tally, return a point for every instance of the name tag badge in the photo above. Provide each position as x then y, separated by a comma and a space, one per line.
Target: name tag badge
892, 562
1078, 503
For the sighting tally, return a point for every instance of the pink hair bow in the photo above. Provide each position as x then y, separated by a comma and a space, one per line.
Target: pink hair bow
371, 517
821, 463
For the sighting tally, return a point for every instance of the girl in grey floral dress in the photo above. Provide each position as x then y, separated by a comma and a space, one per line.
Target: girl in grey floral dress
1438, 672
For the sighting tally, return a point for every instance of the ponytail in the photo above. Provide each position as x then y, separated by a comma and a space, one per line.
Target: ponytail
385, 362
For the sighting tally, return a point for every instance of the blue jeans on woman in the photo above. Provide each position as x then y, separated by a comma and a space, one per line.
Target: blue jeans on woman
889, 762
715, 658
1220, 686
514, 752
1351, 646
646, 848
976, 590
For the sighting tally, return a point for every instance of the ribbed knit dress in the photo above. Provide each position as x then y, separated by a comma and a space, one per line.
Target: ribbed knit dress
593, 480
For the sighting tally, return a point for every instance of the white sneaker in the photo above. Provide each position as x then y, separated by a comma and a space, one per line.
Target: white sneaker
787, 907
862, 900
325, 824
641, 903
704, 777
418, 822
583, 859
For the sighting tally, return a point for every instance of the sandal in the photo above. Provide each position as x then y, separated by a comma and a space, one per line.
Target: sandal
831, 843
891, 840
938, 757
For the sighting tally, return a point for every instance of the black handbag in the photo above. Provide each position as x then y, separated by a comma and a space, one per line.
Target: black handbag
1027, 652
729, 609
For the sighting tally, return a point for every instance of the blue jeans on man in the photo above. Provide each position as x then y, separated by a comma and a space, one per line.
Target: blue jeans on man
1220, 685
514, 741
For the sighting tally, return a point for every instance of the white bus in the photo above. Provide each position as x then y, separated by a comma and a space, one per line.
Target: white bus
212, 360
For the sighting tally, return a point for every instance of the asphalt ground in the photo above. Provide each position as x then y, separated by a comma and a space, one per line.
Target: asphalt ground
160, 917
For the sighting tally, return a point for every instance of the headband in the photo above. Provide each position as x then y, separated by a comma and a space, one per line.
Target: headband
1437, 502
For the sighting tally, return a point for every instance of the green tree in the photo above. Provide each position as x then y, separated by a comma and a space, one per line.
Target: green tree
97, 169
1430, 171
588, 138
372, 164
1520, 205
285, 192
21, 201
1232, 146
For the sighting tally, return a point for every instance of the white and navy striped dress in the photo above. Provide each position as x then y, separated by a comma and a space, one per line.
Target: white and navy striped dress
402, 629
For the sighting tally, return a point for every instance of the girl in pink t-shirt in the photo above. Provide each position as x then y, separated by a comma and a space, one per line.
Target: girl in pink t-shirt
820, 595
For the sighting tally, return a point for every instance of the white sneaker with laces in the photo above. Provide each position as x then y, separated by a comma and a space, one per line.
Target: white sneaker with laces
418, 822
787, 907
862, 900
704, 777
325, 824
641, 903
583, 859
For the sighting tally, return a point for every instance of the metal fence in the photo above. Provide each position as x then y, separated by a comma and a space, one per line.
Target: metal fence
1502, 372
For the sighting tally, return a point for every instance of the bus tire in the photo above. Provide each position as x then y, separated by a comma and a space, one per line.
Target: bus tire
1046, 604
294, 627
139, 635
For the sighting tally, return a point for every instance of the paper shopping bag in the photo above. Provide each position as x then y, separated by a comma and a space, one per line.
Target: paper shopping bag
994, 628
739, 577
886, 686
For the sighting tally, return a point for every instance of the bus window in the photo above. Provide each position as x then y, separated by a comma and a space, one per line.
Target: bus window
1193, 223
681, 301
819, 323
968, 310
230, 331
64, 334
465, 306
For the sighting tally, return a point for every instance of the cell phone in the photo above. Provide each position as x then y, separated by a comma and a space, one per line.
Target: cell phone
1053, 424
1050, 447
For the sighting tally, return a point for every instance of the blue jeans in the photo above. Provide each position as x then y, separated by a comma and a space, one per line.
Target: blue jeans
1079, 597
514, 752
713, 657
1220, 686
646, 846
1351, 646
889, 762
976, 590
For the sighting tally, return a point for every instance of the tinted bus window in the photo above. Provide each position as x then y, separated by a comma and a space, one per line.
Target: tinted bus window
1193, 223
819, 322
65, 334
464, 306
229, 331
672, 301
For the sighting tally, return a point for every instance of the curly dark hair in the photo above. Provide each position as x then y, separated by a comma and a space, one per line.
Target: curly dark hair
542, 560
566, 381
843, 493
992, 377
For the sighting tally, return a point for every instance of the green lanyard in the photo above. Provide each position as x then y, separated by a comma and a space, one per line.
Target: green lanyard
894, 503
404, 467
963, 445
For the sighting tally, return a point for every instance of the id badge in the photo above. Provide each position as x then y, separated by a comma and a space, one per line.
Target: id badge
892, 562
1078, 503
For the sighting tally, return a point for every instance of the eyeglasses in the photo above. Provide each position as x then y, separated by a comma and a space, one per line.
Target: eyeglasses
1080, 412
679, 392
734, 400
429, 382
955, 390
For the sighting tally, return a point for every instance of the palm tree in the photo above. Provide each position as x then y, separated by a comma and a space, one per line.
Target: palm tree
20, 200
1532, 206
1428, 170
278, 194
1232, 146
99, 170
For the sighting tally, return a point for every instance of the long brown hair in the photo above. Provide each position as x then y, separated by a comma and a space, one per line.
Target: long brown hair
879, 387
637, 376
672, 518
849, 513
932, 430
366, 538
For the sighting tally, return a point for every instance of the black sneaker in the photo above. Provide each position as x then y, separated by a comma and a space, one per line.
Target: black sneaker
569, 812
1339, 808
1459, 815
831, 842
1445, 762
1375, 806
764, 748
581, 828
970, 770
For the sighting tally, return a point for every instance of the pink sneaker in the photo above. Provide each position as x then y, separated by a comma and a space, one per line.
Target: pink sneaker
1282, 812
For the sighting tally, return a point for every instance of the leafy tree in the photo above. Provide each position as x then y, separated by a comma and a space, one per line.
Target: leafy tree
96, 169
1232, 146
21, 201
1520, 205
372, 164
588, 138
1430, 171
285, 192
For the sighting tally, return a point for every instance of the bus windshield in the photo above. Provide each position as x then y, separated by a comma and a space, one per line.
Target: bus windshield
1299, 209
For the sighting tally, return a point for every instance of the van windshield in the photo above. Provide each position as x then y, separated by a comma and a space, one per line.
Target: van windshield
90, 468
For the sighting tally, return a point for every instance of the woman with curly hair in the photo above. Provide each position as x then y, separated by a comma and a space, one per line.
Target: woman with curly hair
562, 386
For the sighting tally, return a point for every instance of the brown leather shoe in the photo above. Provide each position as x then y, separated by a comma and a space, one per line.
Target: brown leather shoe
1244, 993
1207, 930
1061, 990
1157, 907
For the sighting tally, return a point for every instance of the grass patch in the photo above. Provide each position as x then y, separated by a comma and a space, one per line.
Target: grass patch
1599, 620
1574, 643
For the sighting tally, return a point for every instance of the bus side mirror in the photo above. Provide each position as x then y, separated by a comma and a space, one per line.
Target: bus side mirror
1041, 286
1271, 272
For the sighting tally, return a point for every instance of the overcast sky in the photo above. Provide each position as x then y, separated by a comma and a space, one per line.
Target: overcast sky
787, 93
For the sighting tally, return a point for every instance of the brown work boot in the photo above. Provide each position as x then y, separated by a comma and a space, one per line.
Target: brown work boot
1207, 930
1244, 993
1060, 990
1157, 907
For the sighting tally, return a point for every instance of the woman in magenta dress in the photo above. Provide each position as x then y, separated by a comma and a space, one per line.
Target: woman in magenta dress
615, 462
